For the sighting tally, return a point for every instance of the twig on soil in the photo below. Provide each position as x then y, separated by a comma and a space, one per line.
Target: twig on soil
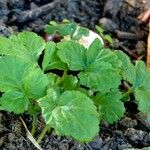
127, 35
148, 49
33, 14
30, 137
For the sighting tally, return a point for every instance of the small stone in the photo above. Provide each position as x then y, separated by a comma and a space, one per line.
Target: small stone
11, 137
108, 24
2, 140
140, 47
5, 31
2, 128
63, 146
128, 122
97, 143
135, 136
147, 138
124, 146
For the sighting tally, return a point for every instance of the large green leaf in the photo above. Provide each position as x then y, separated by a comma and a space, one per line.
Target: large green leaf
128, 69
51, 61
26, 45
72, 114
102, 71
109, 106
35, 83
11, 73
14, 101
73, 54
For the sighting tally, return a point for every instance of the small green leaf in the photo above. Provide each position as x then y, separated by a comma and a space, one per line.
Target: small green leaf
52, 78
109, 106
73, 54
80, 31
11, 73
102, 71
93, 51
14, 101
72, 114
35, 83
99, 29
63, 29
127, 69
142, 78
51, 61
69, 82
108, 38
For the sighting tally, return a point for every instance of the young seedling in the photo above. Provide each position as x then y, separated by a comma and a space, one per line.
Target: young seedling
72, 86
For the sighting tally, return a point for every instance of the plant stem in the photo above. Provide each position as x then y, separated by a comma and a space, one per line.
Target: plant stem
41, 136
127, 94
62, 78
34, 124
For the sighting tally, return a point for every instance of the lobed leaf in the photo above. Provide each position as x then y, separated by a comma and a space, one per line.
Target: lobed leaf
127, 69
71, 113
26, 45
109, 106
141, 87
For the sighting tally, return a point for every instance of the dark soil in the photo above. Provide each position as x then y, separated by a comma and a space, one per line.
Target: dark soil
119, 18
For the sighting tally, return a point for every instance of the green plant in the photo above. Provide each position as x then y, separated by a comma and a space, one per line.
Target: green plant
105, 36
73, 102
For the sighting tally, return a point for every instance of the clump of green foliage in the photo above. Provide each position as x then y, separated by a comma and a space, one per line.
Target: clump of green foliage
72, 103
